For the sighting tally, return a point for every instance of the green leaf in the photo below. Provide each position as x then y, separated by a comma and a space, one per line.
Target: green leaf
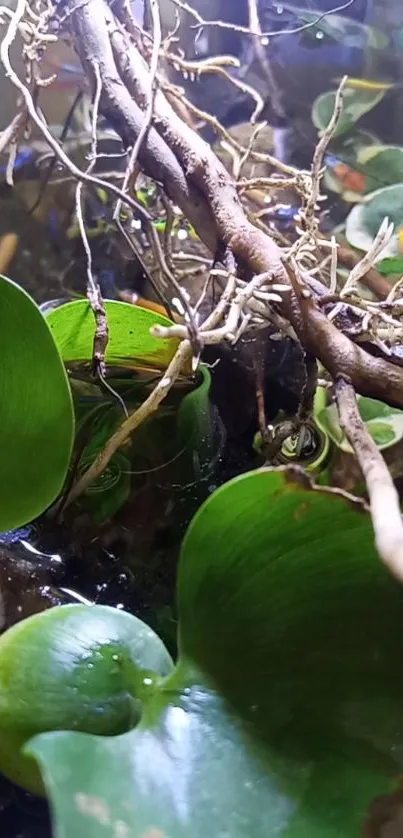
385, 434
341, 29
73, 328
382, 164
378, 165
374, 409
36, 413
382, 433
363, 221
195, 428
178, 772
356, 103
390, 266
328, 421
179, 444
106, 495
92, 667
284, 715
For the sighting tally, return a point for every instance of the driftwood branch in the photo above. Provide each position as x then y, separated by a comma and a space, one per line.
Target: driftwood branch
384, 499
89, 27
207, 194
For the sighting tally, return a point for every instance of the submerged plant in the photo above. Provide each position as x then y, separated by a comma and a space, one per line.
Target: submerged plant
178, 443
360, 163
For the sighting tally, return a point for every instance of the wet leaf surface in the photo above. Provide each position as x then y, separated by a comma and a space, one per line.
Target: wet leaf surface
284, 714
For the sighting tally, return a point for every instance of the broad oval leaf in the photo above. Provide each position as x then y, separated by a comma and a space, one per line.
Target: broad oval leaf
356, 103
73, 328
384, 434
374, 409
73, 667
284, 716
191, 768
384, 423
363, 221
36, 413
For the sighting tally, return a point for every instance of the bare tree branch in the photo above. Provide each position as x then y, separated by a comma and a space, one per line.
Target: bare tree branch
384, 499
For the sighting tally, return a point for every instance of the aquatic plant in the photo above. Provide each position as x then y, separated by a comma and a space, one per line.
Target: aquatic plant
282, 715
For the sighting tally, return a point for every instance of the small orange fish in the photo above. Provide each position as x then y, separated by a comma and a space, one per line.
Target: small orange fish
351, 180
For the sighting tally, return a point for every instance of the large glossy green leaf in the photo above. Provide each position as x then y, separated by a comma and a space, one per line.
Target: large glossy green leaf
284, 716
36, 414
130, 341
